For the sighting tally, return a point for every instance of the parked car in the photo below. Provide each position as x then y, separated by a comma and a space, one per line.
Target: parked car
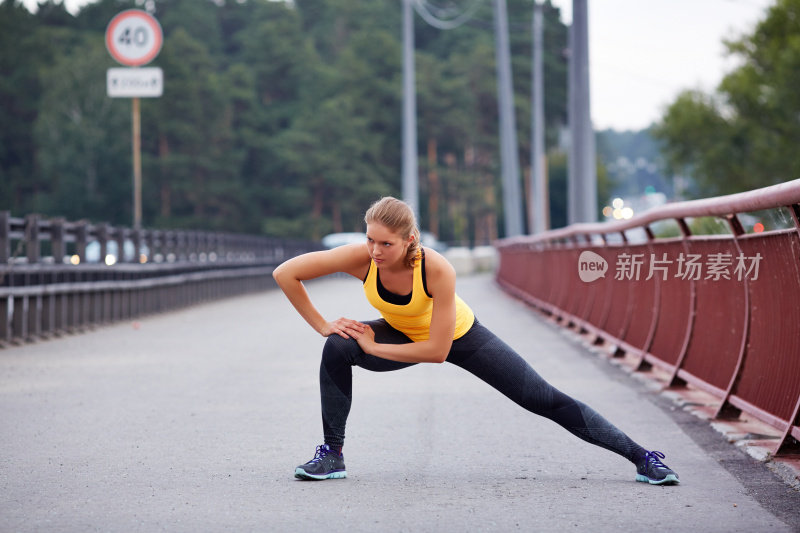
112, 252
338, 239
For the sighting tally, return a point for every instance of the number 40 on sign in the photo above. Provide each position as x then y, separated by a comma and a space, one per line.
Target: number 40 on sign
134, 38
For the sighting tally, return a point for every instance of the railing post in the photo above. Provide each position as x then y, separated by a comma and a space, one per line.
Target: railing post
685, 231
100, 300
168, 244
7, 302
182, 246
147, 241
5, 236
192, 251
120, 235
32, 238
794, 209
102, 238
675, 381
6, 320
157, 241
136, 237
735, 225
81, 236
211, 246
726, 410
117, 295
57, 240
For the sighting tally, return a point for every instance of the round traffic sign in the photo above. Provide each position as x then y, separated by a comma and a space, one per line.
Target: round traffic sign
134, 37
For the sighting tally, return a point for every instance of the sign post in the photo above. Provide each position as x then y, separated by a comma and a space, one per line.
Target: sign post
134, 38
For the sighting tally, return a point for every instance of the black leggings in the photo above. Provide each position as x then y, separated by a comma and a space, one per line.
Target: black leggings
483, 354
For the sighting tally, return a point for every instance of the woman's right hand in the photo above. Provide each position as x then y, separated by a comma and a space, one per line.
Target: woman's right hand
344, 327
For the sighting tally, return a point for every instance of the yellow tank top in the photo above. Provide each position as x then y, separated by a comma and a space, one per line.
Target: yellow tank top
414, 317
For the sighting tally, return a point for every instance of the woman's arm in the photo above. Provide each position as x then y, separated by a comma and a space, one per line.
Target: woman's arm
441, 281
352, 259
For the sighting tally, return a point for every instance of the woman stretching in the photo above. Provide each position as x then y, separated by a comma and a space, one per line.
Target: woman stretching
424, 321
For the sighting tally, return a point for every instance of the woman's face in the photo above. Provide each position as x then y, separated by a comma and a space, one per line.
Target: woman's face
387, 248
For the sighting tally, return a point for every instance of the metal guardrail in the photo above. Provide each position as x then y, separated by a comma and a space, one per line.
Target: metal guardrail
59, 277
719, 312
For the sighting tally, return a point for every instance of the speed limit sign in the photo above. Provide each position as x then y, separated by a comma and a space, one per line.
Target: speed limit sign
134, 37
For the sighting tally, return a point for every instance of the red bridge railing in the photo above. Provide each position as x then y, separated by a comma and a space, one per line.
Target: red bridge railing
708, 290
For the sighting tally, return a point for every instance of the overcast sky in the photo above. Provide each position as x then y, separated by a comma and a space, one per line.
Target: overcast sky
644, 52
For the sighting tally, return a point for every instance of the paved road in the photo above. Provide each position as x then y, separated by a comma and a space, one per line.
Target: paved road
194, 420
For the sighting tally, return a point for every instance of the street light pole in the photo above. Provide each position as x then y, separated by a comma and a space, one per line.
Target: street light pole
538, 203
512, 199
410, 183
582, 175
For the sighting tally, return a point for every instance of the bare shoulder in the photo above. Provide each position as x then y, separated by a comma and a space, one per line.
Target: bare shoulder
438, 270
434, 261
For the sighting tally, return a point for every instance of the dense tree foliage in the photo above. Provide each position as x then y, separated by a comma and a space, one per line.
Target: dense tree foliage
277, 117
745, 134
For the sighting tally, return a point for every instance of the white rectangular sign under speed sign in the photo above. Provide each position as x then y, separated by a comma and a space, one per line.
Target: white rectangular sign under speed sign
145, 82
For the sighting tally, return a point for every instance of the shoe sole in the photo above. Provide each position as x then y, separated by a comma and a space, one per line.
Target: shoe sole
299, 473
670, 479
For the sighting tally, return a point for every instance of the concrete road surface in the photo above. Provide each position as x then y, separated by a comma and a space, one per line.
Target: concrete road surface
194, 421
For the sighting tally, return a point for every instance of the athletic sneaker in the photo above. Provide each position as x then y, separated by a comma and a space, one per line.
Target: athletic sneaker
326, 464
652, 470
